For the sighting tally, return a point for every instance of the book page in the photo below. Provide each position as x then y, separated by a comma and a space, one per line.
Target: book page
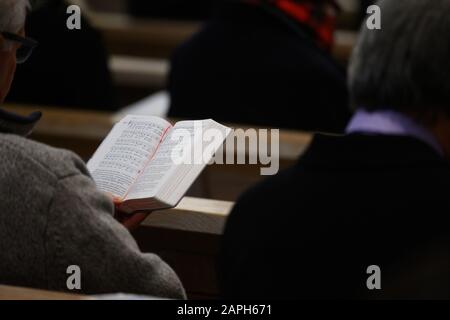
211, 138
162, 165
123, 155
184, 145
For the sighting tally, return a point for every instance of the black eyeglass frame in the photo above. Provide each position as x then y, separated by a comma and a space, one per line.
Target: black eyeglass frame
24, 41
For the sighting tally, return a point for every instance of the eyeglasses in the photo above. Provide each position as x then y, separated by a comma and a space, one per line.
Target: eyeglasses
26, 46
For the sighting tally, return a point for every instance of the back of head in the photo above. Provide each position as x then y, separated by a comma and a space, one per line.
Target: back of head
12, 15
405, 66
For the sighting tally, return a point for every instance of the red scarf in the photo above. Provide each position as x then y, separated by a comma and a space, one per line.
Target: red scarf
317, 15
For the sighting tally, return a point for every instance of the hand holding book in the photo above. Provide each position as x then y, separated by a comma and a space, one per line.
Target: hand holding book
137, 163
131, 221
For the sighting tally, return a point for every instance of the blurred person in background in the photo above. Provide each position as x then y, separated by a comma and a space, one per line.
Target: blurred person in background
68, 69
171, 9
378, 196
263, 62
51, 214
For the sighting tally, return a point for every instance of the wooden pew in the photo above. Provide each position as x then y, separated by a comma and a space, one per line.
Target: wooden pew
136, 72
17, 293
21, 293
188, 238
83, 131
345, 41
125, 35
194, 215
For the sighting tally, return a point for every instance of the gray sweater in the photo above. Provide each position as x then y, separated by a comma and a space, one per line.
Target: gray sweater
52, 216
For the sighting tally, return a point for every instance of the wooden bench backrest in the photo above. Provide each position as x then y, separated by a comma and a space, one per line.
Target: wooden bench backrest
83, 131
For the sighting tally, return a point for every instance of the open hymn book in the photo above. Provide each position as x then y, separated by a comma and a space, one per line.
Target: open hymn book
136, 164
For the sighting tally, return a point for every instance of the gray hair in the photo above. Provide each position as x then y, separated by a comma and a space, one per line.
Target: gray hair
405, 66
13, 14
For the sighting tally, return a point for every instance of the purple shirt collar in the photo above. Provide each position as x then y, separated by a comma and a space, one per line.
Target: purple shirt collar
388, 122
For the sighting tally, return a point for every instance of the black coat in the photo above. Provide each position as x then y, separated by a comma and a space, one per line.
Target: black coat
350, 202
69, 68
171, 9
249, 66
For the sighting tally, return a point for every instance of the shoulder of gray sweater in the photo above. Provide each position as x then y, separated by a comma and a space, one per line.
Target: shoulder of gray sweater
58, 162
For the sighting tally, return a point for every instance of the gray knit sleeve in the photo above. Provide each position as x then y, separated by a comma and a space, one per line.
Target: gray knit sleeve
81, 231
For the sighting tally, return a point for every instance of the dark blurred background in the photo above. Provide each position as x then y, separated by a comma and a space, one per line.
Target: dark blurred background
124, 52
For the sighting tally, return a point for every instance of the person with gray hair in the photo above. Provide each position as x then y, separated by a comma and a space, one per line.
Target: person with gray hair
12, 21
52, 217
366, 214
406, 85
12, 15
